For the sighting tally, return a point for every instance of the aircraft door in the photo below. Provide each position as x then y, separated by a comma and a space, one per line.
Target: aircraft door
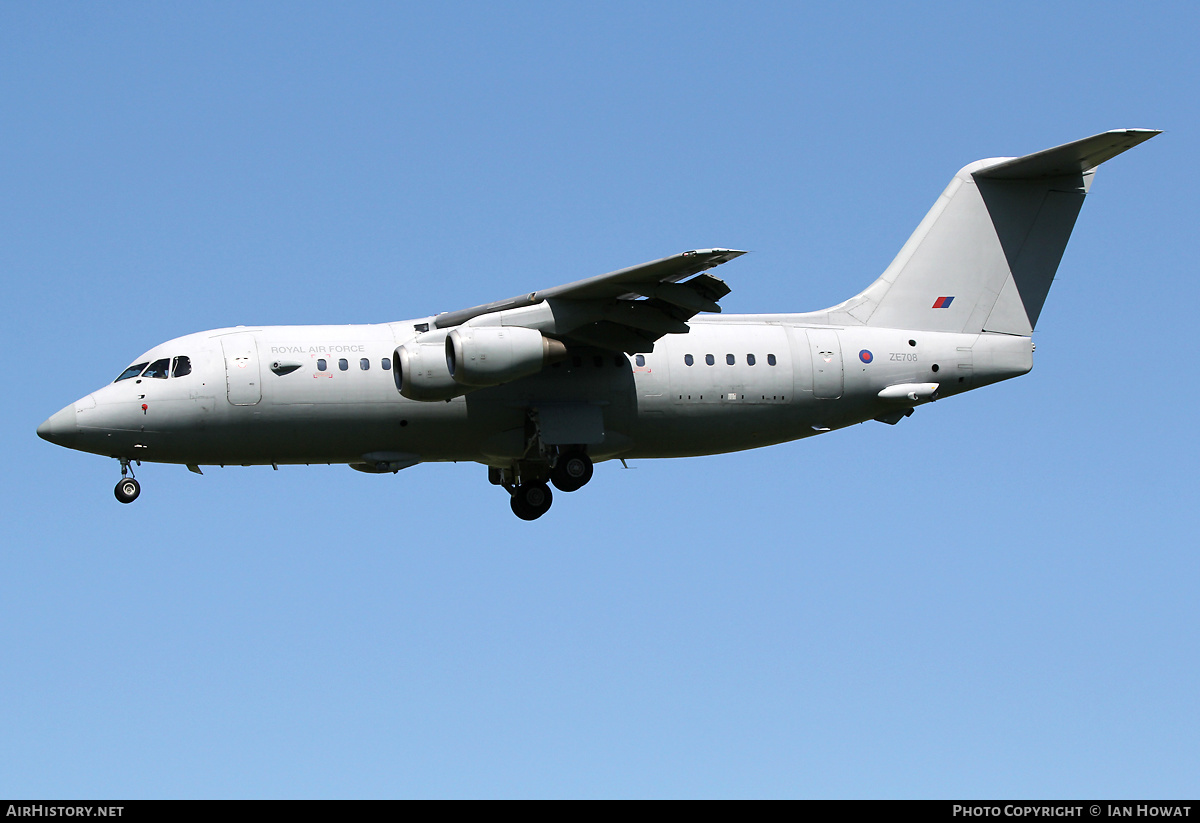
826, 352
242, 379
652, 376
966, 367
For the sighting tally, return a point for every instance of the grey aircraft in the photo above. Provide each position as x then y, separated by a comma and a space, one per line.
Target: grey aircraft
631, 364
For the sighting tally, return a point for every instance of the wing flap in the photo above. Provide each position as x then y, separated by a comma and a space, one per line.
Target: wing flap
626, 310
667, 270
622, 283
696, 295
644, 315
614, 337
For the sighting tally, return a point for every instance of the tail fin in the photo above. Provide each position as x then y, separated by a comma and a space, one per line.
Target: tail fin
985, 254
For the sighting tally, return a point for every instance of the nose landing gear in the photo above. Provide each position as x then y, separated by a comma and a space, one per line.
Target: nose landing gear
128, 489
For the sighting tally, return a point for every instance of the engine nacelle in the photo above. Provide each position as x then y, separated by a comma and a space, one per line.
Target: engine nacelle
491, 355
419, 368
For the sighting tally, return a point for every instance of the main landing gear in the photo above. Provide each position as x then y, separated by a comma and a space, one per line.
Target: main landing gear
525, 481
571, 472
531, 500
128, 489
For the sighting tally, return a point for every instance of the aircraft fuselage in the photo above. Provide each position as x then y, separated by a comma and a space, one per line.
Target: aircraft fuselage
753, 380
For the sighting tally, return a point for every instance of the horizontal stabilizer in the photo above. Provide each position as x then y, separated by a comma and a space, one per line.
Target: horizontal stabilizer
1071, 158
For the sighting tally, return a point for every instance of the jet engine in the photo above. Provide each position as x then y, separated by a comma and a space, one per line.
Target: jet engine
419, 368
491, 355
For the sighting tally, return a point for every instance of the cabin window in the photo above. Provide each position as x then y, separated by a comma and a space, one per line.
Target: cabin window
386, 363
364, 364
181, 367
576, 361
709, 359
321, 364
132, 371
599, 361
749, 360
159, 369
770, 360
640, 360
688, 360
618, 361
343, 364
729, 359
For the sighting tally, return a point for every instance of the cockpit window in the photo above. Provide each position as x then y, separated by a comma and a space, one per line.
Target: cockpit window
181, 367
159, 368
132, 371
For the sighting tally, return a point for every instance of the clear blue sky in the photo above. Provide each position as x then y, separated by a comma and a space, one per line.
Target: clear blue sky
995, 598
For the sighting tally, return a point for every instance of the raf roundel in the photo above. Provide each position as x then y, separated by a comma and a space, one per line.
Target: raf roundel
865, 356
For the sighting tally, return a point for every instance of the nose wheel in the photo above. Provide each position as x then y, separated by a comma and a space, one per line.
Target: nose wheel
128, 489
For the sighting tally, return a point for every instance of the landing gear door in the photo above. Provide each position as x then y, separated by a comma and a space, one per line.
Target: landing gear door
571, 423
241, 369
826, 352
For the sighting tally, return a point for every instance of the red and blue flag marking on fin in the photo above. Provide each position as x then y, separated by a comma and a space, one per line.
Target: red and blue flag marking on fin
943, 302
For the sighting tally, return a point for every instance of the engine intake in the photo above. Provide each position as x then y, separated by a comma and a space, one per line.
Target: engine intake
419, 369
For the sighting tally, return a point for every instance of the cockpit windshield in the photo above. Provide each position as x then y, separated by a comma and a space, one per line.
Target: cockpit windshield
132, 371
159, 368
180, 366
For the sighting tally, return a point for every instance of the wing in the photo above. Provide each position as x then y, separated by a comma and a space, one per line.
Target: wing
625, 310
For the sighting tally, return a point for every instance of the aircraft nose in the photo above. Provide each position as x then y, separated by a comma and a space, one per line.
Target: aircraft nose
60, 429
